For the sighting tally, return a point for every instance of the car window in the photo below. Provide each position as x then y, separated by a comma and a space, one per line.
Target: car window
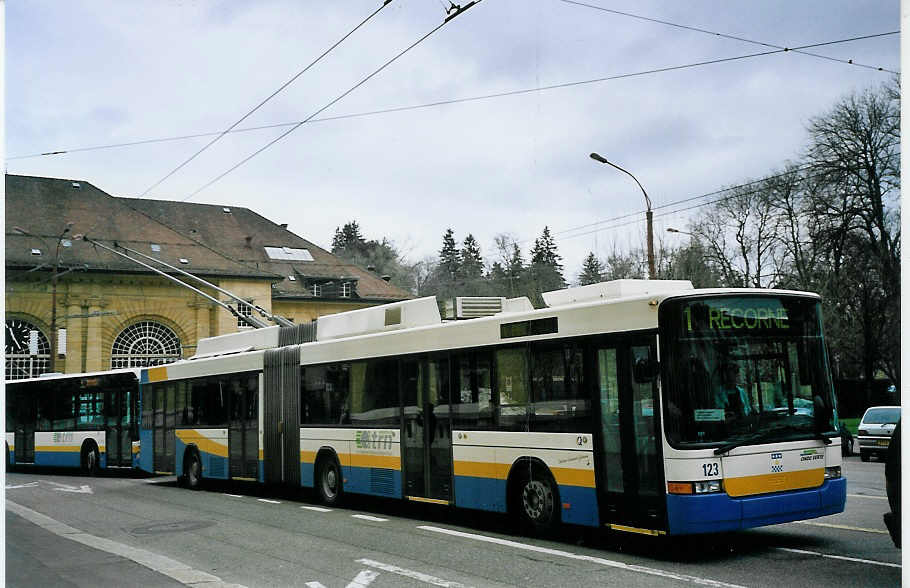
881, 416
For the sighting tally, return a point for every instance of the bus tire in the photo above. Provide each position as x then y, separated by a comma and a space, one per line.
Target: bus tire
535, 498
329, 483
91, 460
192, 470
864, 455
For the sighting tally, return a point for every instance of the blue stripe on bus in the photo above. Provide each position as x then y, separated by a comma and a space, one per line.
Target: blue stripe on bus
307, 474
213, 466
582, 505
490, 494
373, 481
480, 493
70, 459
145, 451
12, 457
712, 513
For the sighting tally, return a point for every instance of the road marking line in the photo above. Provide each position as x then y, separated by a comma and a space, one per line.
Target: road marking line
233, 495
867, 496
363, 579
269, 501
842, 557
589, 558
410, 574
317, 508
159, 563
314, 585
846, 527
369, 518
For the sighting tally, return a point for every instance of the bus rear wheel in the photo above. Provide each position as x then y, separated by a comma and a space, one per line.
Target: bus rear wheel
91, 461
328, 481
536, 500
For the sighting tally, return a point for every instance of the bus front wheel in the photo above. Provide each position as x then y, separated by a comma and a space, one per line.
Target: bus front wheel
192, 471
91, 461
328, 481
536, 499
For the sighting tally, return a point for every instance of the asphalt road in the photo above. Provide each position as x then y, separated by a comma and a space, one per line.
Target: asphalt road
63, 529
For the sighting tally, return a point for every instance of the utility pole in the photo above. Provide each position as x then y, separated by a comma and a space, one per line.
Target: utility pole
649, 217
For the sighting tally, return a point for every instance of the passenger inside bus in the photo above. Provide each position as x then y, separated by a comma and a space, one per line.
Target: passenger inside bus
730, 395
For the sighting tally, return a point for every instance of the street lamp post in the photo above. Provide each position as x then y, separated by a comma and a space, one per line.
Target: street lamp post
652, 274
52, 342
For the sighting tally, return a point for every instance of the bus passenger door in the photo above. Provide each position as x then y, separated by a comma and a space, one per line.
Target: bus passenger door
26, 416
243, 432
427, 430
630, 473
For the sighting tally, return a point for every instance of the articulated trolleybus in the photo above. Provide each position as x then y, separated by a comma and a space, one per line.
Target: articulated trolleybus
644, 406
87, 421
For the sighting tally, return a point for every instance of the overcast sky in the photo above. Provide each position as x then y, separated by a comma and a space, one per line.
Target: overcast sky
91, 73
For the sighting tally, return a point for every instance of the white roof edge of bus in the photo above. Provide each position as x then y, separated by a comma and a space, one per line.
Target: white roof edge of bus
414, 313
62, 376
513, 305
264, 338
242, 349
614, 290
727, 291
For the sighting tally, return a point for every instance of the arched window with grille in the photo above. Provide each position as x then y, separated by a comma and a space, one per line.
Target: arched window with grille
20, 361
144, 344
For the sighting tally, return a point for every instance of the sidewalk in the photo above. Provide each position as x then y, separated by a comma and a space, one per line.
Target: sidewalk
37, 557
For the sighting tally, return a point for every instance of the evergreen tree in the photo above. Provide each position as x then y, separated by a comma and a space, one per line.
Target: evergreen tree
348, 238
592, 271
449, 257
471, 261
545, 269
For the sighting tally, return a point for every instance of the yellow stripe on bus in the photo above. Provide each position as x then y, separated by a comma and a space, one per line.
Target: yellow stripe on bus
500, 471
203, 443
59, 448
157, 374
390, 462
765, 483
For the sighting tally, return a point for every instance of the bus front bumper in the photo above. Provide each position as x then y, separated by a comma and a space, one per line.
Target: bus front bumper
713, 513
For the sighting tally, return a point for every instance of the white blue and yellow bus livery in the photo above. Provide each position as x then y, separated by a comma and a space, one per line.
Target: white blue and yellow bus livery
642, 406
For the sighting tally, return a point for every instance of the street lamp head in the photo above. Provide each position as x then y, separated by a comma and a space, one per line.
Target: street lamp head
599, 158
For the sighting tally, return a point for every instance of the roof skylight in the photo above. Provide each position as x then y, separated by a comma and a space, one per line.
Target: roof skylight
288, 254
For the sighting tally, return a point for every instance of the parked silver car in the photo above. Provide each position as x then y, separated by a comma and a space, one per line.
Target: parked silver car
875, 430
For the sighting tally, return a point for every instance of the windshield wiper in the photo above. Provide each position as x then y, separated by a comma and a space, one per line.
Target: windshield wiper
767, 435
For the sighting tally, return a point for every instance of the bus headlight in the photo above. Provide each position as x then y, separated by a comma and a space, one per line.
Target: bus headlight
708, 487
832, 473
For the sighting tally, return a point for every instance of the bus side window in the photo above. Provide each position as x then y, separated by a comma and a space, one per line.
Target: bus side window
512, 387
471, 398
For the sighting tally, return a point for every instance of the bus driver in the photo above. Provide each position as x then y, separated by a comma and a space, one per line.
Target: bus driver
730, 396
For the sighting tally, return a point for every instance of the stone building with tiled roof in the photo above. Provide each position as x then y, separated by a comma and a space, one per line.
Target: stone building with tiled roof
112, 312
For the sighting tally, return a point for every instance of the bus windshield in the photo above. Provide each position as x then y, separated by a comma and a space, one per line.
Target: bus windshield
744, 369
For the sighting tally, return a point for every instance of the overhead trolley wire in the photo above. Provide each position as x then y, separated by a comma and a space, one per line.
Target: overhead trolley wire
723, 35
262, 103
445, 102
447, 20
